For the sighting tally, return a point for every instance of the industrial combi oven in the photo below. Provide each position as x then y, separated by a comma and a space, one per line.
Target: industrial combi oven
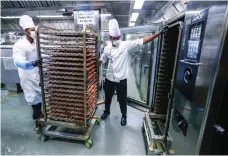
194, 112
184, 112
190, 83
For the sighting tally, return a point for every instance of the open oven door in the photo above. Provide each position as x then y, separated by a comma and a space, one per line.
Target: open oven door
141, 66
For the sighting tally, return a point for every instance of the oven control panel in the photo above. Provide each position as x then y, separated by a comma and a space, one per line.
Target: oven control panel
191, 44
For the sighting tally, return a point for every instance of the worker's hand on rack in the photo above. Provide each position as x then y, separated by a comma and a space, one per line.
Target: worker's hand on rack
99, 62
37, 63
164, 29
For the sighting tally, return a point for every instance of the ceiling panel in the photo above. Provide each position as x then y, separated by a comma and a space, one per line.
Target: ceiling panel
120, 11
25, 3
9, 4
32, 4
44, 3
4, 4
39, 4
16, 4
120, 8
49, 3
149, 9
123, 24
122, 18
36, 4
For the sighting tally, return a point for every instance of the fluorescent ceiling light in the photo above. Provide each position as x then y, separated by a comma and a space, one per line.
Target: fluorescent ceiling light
55, 16
106, 15
9, 17
193, 12
138, 4
134, 16
131, 24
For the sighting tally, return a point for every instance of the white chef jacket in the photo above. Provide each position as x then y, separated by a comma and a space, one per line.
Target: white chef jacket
24, 53
118, 59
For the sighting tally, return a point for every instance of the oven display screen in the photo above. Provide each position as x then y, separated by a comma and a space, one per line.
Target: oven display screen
193, 49
196, 32
193, 42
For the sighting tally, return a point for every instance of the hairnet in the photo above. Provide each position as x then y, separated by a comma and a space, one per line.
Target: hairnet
26, 22
114, 29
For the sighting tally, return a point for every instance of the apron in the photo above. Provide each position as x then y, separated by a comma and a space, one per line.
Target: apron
29, 79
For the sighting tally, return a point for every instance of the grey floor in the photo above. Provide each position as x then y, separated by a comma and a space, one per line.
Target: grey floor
17, 136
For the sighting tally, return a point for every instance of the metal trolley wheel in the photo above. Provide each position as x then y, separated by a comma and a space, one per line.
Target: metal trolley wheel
43, 138
98, 121
44, 127
89, 143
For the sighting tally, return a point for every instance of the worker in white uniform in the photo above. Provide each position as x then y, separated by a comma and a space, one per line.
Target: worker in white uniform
116, 76
25, 58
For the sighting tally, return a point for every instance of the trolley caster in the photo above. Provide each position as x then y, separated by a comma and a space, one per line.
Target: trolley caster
89, 143
98, 121
43, 138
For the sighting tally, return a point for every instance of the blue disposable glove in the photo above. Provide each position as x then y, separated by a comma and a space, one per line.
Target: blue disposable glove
27, 65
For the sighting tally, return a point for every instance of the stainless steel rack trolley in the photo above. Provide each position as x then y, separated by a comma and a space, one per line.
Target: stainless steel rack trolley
156, 123
68, 79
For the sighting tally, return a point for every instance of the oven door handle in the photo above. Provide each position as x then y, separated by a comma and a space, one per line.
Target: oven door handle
190, 63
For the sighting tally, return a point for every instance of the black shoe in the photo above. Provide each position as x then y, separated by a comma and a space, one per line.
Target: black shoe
123, 121
37, 123
36, 126
104, 116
